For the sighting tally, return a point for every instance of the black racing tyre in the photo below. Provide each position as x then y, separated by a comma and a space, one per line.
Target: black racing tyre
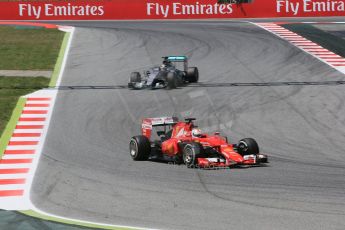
190, 154
171, 81
193, 74
135, 77
139, 148
247, 146
179, 81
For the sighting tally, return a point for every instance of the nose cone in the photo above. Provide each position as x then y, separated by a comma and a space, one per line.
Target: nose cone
236, 157
232, 156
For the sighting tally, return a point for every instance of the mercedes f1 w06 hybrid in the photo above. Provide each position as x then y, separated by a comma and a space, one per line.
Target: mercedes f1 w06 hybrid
169, 75
183, 142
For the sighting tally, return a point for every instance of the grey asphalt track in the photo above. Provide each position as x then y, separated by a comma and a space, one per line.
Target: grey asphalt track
86, 172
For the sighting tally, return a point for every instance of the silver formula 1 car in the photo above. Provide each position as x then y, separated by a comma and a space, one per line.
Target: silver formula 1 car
168, 75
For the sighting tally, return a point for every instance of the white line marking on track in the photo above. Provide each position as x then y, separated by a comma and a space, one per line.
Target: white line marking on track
88, 222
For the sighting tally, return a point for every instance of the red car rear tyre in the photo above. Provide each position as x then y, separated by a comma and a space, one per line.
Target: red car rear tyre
139, 148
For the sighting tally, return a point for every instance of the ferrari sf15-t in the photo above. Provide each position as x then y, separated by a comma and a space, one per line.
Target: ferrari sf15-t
182, 142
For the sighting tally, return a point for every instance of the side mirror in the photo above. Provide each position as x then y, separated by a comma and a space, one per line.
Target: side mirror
189, 120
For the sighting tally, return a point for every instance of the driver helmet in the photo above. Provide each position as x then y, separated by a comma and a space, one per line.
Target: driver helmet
196, 132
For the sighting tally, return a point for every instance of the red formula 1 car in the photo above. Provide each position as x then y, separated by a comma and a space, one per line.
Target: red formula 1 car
183, 142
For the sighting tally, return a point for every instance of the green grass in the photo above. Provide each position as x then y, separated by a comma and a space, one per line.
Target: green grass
70, 222
30, 48
11, 88
324, 39
6, 135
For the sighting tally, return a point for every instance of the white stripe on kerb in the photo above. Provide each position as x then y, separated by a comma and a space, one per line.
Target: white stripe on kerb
12, 187
18, 156
15, 166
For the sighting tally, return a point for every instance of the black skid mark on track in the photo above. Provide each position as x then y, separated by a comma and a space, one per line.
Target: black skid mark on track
228, 199
205, 85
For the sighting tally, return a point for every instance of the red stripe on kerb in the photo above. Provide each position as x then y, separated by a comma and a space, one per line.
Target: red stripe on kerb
337, 61
286, 33
279, 30
15, 161
29, 126
319, 53
36, 105
32, 119
274, 27
35, 112
308, 46
329, 56
23, 143
14, 171
338, 64
11, 193
315, 49
301, 39
39, 99
322, 52
294, 40
26, 134
31, 151
305, 43
12, 181
288, 36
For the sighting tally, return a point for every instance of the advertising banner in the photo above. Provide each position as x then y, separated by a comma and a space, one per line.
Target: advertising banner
166, 9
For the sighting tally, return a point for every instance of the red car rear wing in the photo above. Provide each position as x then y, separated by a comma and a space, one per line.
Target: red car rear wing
148, 123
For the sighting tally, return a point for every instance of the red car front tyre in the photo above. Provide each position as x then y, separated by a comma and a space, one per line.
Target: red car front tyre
190, 154
248, 146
